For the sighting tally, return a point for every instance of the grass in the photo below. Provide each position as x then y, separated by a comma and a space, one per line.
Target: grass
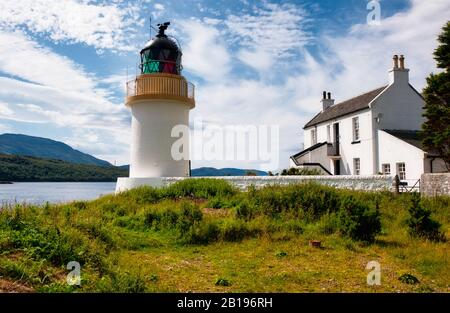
204, 235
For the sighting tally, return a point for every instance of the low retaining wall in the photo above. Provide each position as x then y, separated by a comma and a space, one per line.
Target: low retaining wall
373, 182
436, 184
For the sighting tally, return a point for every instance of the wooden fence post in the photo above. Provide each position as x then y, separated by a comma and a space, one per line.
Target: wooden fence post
396, 185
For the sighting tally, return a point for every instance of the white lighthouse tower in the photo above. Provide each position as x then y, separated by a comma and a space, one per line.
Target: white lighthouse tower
159, 99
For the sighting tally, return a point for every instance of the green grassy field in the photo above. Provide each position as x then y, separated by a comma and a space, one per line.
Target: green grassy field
205, 236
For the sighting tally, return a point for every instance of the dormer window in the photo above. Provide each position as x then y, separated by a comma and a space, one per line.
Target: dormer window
355, 123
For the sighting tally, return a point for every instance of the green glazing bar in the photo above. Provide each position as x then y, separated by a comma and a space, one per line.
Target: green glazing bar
150, 66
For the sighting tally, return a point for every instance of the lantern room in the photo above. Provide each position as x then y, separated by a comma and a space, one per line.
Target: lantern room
161, 54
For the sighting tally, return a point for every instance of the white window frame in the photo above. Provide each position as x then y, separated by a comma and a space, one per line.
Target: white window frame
401, 172
355, 128
328, 133
356, 166
386, 168
313, 136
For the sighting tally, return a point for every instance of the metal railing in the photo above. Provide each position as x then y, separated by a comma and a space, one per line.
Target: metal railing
161, 85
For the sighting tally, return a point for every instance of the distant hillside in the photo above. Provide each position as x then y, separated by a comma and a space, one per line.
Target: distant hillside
211, 171
45, 148
22, 168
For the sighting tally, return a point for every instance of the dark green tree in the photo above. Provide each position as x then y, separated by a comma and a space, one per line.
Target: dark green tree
436, 128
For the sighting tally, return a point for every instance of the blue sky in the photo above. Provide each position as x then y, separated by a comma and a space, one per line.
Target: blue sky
63, 64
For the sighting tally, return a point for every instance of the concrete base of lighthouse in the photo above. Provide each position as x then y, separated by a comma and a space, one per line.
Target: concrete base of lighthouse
127, 183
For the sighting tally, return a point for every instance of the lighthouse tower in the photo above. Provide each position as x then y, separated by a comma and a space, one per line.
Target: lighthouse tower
159, 98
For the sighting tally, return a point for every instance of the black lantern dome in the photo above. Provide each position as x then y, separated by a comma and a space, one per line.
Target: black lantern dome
161, 54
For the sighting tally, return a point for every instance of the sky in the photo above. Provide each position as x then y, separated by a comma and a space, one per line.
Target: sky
64, 64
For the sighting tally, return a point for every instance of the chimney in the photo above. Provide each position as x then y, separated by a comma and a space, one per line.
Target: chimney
395, 58
402, 62
399, 75
326, 100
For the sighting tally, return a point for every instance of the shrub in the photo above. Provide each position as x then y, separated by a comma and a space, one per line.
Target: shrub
190, 213
204, 188
141, 195
218, 202
222, 282
359, 221
420, 224
301, 171
233, 230
122, 282
244, 210
201, 233
408, 279
305, 200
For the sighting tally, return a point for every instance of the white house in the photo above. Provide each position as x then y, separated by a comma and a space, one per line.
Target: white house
376, 132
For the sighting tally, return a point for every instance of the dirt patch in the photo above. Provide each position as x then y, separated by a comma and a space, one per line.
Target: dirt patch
216, 212
7, 286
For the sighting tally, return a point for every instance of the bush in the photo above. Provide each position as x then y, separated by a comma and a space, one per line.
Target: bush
301, 171
233, 230
123, 283
420, 224
359, 221
305, 200
202, 233
204, 188
244, 210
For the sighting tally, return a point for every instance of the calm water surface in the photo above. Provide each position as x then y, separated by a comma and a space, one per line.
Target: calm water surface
38, 193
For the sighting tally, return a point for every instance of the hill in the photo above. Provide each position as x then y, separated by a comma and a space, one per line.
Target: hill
211, 171
45, 148
31, 169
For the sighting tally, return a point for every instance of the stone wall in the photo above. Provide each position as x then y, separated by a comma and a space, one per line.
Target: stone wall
435, 184
372, 182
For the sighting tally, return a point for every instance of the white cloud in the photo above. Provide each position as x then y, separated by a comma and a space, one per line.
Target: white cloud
159, 7
346, 65
5, 110
205, 53
22, 57
103, 26
278, 29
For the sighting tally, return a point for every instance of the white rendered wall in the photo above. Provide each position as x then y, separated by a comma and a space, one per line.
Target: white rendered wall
348, 151
399, 106
151, 127
393, 150
318, 155
375, 182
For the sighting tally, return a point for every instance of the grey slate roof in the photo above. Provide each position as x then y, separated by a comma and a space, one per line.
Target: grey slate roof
410, 136
413, 138
349, 106
313, 147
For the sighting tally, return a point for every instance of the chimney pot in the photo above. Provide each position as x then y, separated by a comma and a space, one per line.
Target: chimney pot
395, 58
402, 62
329, 95
324, 95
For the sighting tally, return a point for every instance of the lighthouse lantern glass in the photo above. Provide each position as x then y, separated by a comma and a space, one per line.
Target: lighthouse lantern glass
161, 55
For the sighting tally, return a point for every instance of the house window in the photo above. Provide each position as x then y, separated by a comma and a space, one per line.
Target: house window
328, 133
355, 122
386, 169
401, 171
356, 166
313, 137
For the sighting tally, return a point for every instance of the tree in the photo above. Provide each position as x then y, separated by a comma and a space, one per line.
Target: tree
436, 128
